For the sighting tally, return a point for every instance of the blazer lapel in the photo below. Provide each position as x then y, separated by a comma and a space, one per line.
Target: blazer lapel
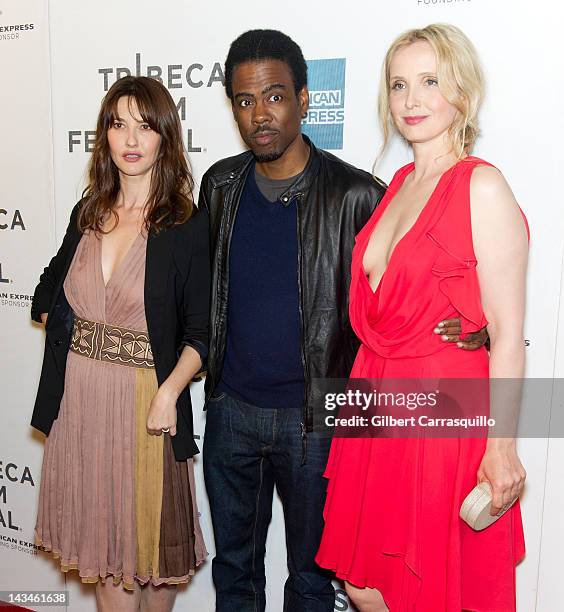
157, 268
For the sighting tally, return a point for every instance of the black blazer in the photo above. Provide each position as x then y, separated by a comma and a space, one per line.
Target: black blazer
177, 289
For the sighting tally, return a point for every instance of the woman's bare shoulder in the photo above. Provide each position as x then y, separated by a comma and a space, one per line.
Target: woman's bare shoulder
490, 193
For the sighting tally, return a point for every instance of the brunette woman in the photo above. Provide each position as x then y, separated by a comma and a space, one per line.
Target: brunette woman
125, 307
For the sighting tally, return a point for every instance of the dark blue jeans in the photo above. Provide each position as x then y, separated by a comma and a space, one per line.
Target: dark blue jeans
248, 450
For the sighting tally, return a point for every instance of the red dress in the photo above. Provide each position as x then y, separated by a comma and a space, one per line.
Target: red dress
391, 515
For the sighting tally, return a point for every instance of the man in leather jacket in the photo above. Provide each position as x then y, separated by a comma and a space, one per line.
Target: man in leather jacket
283, 219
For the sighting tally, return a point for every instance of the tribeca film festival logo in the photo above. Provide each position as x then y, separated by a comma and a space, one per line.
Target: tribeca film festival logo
323, 124
326, 115
9, 527
173, 76
14, 31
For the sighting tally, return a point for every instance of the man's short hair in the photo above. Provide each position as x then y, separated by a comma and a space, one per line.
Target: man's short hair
258, 45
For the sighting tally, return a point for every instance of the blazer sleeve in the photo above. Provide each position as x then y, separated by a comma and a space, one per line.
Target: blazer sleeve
43, 294
196, 290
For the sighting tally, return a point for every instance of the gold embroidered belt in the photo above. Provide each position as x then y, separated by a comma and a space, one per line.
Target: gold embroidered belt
111, 343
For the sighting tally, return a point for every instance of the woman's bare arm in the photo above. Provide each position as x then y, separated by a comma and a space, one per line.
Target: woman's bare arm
501, 248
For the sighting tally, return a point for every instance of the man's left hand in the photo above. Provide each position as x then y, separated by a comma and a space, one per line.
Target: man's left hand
450, 330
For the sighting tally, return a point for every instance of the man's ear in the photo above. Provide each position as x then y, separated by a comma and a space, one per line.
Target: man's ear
303, 100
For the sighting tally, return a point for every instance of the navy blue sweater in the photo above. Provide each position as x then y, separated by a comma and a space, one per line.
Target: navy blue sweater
263, 364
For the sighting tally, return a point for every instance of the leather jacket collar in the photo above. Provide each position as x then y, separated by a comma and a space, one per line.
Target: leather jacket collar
239, 173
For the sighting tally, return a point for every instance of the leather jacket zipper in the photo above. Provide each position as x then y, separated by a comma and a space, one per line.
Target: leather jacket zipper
302, 335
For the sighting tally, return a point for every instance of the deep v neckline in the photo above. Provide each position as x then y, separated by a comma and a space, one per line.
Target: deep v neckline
120, 264
422, 213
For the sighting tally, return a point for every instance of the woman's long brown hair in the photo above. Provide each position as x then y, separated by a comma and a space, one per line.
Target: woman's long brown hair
170, 200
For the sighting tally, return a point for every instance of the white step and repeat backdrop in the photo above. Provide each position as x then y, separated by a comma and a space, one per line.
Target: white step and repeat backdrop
58, 58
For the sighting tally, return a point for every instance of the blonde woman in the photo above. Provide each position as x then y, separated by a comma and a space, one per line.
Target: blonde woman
448, 240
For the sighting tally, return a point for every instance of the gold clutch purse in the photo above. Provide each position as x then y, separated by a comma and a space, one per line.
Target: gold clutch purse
475, 509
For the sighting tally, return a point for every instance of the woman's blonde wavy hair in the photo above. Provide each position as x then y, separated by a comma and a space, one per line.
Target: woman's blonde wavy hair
460, 77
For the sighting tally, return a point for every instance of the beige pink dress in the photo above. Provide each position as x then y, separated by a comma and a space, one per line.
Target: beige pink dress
113, 500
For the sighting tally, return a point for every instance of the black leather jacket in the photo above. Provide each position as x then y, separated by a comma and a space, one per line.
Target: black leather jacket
334, 201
